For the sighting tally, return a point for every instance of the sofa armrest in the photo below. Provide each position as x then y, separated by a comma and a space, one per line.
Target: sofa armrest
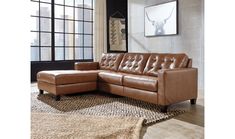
177, 85
86, 65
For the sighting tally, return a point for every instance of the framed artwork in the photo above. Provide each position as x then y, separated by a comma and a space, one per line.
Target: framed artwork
117, 34
161, 19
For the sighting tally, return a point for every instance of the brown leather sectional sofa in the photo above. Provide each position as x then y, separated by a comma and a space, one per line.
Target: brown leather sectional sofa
162, 79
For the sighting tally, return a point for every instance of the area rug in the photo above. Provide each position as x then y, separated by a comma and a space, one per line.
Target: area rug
102, 105
63, 126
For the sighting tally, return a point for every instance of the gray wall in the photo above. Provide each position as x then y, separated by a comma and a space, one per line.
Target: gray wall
190, 39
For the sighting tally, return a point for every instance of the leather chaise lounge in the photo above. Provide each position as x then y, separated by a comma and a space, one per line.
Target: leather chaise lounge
162, 79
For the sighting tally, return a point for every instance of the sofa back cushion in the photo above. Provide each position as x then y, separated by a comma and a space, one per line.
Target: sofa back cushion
164, 61
110, 61
133, 63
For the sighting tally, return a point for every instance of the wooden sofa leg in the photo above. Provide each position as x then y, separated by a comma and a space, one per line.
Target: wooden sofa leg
57, 98
164, 109
40, 92
193, 101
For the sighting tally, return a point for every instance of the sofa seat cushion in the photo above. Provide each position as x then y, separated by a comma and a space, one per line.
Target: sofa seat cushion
111, 77
62, 77
148, 83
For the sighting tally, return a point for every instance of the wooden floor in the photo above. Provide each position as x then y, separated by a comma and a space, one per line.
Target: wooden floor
189, 125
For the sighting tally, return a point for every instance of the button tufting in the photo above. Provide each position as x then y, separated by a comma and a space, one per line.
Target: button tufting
154, 64
129, 65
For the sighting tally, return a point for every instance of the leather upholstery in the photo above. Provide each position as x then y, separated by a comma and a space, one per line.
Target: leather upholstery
86, 65
190, 63
76, 88
162, 79
175, 85
133, 63
59, 77
141, 82
68, 88
110, 61
110, 77
140, 94
47, 87
165, 61
111, 88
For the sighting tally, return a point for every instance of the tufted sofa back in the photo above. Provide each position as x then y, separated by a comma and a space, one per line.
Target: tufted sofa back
164, 61
133, 63
143, 63
110, 61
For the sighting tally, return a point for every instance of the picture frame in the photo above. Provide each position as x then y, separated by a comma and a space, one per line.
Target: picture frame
117, 34
161, 19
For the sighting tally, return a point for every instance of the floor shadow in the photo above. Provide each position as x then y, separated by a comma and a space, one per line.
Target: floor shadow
149, 106
79, 101
95, 102
75, 102
143, 131
194, 116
